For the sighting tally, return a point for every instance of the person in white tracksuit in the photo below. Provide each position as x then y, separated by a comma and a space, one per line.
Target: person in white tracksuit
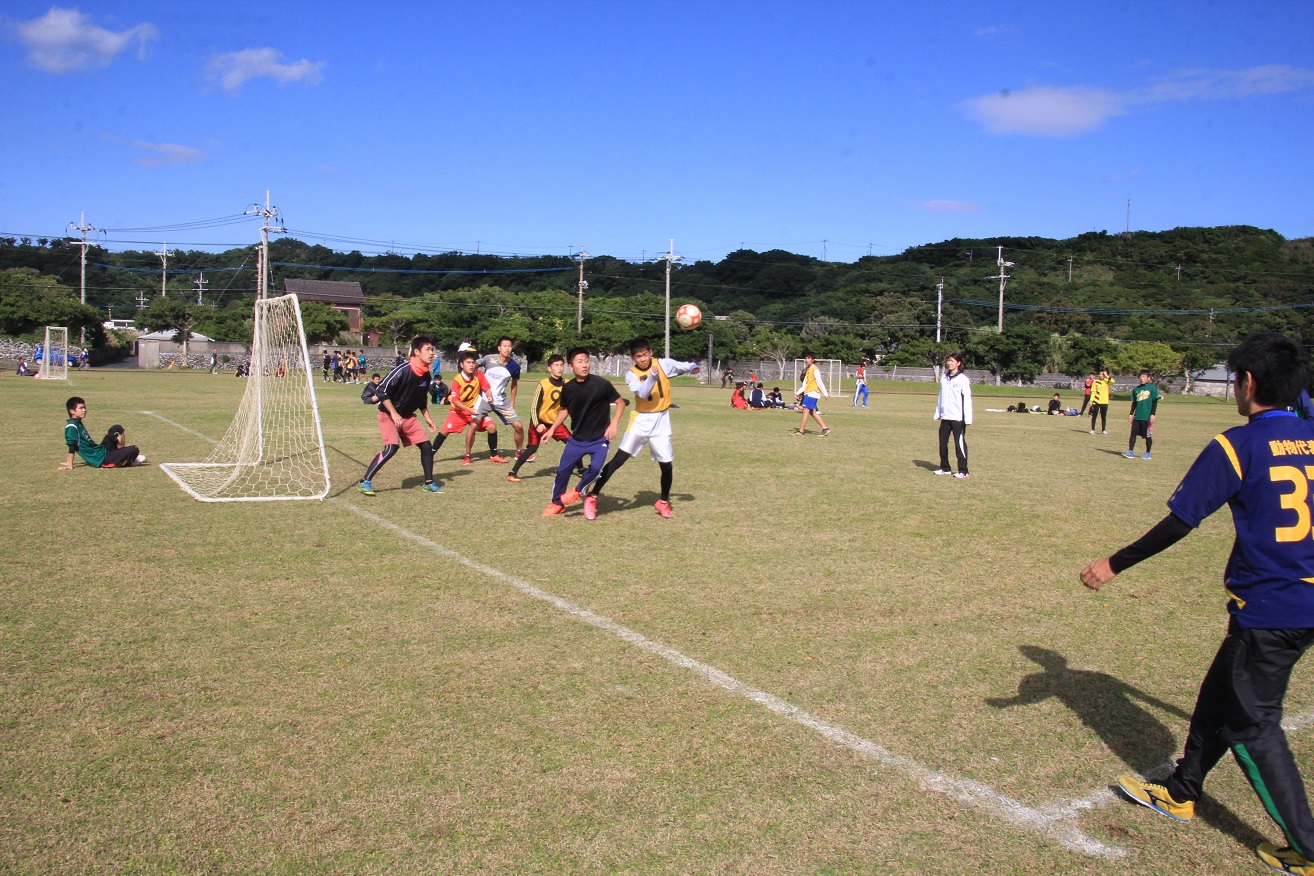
954, 411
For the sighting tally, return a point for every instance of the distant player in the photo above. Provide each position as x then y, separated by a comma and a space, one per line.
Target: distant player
503, 373
953, 409
1085, 398
810, 393
860, 384
1099, 402
401, 393
1144, 407
111, 452
542, 414
587, 399
1262, 471
650, 423
469, 386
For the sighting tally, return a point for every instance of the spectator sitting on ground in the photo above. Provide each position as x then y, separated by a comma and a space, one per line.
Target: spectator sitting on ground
23, 370
1055, 406
1020, 408
440, 390
737, 400
774, 399
757, 398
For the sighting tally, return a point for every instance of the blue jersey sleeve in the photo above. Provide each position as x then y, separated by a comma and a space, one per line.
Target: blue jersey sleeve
1211, 482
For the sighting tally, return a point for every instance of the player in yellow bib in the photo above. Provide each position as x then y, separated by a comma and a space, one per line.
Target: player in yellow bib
650, 422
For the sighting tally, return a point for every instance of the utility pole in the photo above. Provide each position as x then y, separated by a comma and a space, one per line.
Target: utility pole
1003, 278
1129, 216
583, 284
200, 288
825, 255
163, 255
1069, 269
668, 258
84, 228
710, 334
267, 212
939, 307
1179, 273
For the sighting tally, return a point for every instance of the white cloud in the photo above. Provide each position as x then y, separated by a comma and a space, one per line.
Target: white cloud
948, 207
1046, 111
234, 69
1056, 111
64, 40
161, 154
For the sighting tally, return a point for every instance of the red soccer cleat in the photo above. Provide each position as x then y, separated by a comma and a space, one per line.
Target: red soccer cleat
591, 508
663, 508
515, 479
496, 458
552, 509
570, 497
466, 460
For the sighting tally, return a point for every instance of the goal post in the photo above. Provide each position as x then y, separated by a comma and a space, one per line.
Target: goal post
54, 354
274, 449
832, 374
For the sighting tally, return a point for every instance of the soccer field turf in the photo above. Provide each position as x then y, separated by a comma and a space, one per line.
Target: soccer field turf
830, 661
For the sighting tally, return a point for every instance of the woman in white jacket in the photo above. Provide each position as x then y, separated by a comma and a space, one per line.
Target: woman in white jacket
954, 411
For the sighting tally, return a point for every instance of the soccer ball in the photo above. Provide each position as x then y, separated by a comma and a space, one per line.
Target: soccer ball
688, 316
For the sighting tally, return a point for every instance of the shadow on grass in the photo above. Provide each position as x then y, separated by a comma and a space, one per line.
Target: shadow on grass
1111, 708
926, 464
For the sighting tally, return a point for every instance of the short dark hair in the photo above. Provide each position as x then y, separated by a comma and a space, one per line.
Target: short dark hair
418, 342
639, 344
808, 354
466, 354
575, 351
73, 403
375, 374
556, 357
1278, 366
505, 338
1144, 373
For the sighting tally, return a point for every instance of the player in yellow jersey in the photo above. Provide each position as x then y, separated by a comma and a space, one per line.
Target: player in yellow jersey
1099, 401
543, 413
810, 393
650, 422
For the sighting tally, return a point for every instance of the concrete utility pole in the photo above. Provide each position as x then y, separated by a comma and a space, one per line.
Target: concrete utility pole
939, 307
200, 288
668, 258
583, 284
267, 212
1003, 278
163, 255
1069, 269
83, 227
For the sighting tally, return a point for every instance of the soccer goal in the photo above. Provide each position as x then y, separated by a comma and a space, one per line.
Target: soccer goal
54, 354
832, 374
274, 449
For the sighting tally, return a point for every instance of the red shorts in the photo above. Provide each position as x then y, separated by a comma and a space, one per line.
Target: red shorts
457, 421
412, 432
539, 432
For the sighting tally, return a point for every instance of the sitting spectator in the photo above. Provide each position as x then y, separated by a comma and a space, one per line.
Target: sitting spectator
737, 400
757, 398
441, 391
1055, 406
1022, 408
774, 399
370, 394
23, 370
112, 452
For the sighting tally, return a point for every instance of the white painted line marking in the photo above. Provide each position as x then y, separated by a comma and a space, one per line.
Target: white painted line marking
1056, 826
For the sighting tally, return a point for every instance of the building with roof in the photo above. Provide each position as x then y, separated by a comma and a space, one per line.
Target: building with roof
343, 295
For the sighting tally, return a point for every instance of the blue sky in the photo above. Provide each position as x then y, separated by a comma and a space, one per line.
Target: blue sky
826, 128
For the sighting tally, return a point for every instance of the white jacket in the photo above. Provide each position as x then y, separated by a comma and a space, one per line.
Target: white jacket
955, 402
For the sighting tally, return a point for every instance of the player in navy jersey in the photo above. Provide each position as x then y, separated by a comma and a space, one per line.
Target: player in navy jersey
1262, 470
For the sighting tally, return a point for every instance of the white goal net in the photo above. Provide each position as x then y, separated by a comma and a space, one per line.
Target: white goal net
274, 450
54, 354
832, 374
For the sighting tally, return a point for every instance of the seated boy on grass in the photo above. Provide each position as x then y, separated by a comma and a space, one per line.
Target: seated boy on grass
112, 452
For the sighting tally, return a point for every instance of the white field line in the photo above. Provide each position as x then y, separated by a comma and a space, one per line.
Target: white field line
1052, 820
976, 794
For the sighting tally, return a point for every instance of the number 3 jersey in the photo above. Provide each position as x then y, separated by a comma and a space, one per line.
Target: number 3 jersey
1263, 470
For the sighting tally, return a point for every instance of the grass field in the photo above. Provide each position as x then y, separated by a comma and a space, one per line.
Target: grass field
828, 662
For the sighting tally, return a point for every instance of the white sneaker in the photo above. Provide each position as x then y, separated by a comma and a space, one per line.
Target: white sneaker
1105, 432
141, 458
942, 471
961, 474
1092, 431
